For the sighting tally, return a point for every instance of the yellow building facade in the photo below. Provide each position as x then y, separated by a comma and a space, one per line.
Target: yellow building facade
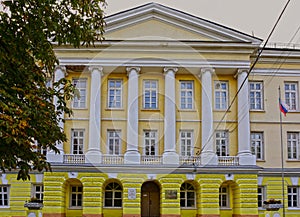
169, 122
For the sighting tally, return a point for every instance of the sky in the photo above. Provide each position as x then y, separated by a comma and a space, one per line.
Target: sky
254, 17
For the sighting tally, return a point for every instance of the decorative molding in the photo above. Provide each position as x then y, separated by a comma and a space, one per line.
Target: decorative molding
130, 68
173, 69
96, 68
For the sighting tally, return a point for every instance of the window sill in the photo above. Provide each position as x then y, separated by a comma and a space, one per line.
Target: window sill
225, 208
187, 110
4, 207
220, 110
293, 160
114, 109
109, 207
293, 208
258, 110
150, 110
85, 108
260, 160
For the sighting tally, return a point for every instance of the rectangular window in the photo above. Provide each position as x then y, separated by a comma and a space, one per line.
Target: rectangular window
257, 145
224, 197
261, 196
293, 145
150, 94
150, 142
293, 197
38, 191
256, 95
222, 143
79, 100
76, 197
114, 142
4, 195
186, 94
291, 95
77, 140
115, 93
221, 95
39, 149
186, 143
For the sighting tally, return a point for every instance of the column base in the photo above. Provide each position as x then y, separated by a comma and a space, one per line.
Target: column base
132, 157
93, 156
247, 159
170, 158
209, 158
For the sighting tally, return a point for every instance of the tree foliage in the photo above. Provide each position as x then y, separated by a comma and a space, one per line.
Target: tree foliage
28, 29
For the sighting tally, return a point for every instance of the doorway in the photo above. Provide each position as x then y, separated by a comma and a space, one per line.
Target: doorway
150, 201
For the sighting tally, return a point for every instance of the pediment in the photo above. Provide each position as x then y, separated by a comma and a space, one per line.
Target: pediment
155, 21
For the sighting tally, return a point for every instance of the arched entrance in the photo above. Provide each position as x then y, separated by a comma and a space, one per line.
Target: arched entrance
150, 200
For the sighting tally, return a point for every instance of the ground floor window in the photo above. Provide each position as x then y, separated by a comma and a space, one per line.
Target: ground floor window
76, 197
187, 195
113, 195
4, 195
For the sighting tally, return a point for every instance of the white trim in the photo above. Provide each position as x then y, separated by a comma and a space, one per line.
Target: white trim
115, 89
118, 132
150, 89
192, 145
149, 139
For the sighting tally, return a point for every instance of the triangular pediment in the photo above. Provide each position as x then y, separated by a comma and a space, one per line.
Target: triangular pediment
155, 21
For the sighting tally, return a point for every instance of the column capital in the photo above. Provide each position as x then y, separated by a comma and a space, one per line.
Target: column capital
241, 71
207, 69
135, 68
60, 67
174, 69
96, 68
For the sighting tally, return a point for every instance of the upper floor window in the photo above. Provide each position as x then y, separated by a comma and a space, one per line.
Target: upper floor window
150, 94
291, 95
39, 148
38, 191
77, 141
114, 93
221, 95
76, 196
186, 94
79, 100
224, 196
187, 195
256, 95
114, 142
293, 145
113, 195
150, 142
186, 143
4, 195
257, 145
222, 143
293, 197
261, 195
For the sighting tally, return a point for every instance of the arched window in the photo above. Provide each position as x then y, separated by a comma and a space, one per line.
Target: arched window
187, 195
113, 195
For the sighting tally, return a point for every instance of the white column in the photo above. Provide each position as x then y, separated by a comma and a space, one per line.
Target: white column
132, 155
244, 153
170, 156
59, 73
94, 154
208, 154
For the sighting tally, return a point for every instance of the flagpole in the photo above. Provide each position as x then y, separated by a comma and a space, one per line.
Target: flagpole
282, 161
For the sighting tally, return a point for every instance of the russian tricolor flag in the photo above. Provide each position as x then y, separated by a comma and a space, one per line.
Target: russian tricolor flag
283, 107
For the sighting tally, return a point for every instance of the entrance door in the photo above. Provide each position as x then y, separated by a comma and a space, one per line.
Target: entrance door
150, 200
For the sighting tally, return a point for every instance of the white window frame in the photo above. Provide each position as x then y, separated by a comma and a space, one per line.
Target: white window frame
81, 88
113, 191
185, 189
221, 141
39, 149
114, 142
293, 197
4, 196
256, 95
80, 149
153, 94
261, 196
149, 141
221, 102
78, 196
186, 95
224, 199
257, 144
291, 95
293, 146
186, 142
38, 191
113, 104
